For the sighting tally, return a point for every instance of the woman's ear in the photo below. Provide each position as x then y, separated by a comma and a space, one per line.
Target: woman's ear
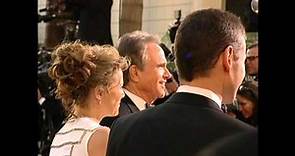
227, 58
98, 92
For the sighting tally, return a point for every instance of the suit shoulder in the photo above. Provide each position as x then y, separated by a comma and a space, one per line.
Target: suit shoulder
244, 143
137, 118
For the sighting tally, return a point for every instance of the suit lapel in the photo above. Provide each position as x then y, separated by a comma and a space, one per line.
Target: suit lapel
130, 104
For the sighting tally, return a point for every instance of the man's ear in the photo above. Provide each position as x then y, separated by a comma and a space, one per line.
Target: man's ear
227, 58
133, 73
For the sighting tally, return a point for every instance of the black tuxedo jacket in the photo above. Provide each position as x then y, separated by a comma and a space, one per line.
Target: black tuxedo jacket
126, 107
240, 144
182, 126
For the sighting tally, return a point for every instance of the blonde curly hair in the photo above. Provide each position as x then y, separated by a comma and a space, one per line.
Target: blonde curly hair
77, 67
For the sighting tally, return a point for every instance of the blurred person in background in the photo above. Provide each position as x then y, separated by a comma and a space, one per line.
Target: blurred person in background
247, 97
252, 62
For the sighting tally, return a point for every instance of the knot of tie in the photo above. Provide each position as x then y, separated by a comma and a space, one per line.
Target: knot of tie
147, 105
223, 108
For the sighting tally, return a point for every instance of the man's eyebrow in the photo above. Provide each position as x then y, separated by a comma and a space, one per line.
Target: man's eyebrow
162, 64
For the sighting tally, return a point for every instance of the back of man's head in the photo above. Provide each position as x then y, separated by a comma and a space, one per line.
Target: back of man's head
133, 45
201, 38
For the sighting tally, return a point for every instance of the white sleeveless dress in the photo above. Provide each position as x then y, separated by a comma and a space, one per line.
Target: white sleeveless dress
73, 137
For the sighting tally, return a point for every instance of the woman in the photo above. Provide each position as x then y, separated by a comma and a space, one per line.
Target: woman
247, 97
89, 81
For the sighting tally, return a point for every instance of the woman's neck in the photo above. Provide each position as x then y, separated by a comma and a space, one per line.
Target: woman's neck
90, 113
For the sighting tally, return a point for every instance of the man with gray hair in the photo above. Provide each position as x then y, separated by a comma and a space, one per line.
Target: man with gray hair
144, 81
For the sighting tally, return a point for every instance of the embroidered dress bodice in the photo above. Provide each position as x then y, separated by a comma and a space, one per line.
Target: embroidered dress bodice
73, 137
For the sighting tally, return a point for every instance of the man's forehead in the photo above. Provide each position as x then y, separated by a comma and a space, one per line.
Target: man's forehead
161, 51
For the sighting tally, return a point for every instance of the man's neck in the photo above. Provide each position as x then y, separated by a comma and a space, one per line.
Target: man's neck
206, 83
133, 89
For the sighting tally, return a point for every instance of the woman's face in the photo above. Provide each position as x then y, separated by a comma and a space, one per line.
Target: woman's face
246, 106
111, 99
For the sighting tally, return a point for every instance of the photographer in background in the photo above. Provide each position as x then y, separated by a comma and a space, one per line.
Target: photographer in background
252, 61
173, 27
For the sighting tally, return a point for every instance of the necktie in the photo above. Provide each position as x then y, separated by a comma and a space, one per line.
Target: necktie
223, 108
147, 106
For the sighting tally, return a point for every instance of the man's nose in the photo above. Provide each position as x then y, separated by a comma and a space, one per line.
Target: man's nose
167, 74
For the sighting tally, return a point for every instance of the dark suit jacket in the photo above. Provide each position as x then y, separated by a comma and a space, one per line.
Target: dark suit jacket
181, 126
240, 144
126, 107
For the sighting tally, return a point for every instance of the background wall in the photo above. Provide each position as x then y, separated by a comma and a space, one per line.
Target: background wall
157, 15
41, 26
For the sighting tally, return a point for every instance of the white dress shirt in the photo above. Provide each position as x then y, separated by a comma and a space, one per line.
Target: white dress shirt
41, 100
200, 91
138, 101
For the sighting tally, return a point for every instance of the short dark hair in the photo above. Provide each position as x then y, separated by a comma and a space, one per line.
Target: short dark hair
202, 37
133, 46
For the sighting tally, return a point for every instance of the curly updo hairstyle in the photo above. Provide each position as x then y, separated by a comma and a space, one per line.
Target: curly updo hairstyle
77, 67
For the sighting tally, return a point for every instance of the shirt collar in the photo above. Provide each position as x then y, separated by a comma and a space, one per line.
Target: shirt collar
200, 91
41, 100
138, 101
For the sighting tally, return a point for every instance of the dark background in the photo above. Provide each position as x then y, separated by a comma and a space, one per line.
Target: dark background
242, 8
